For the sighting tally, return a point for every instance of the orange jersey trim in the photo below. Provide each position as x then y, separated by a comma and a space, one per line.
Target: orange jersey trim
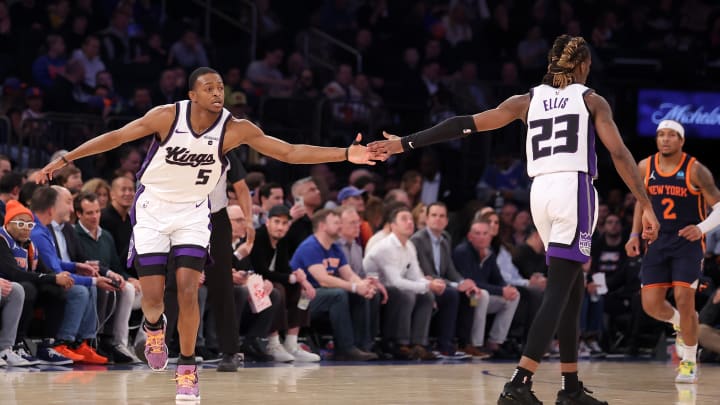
674, 171
658, 285
692, 189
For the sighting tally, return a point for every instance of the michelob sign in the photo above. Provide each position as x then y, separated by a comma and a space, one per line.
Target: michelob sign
698, 111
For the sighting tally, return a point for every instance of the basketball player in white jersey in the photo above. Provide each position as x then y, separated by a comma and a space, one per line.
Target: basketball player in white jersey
171, 210
561, 159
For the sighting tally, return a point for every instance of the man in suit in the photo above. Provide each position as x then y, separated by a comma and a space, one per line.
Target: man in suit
435, 258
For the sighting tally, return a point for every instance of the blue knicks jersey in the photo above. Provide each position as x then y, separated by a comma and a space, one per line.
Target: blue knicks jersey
26, 258
676, 202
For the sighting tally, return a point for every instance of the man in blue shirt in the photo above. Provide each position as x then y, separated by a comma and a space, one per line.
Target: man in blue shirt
329, 272
80, 319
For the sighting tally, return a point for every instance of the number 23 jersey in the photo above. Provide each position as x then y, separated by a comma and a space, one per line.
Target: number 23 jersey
560, 136
186, 166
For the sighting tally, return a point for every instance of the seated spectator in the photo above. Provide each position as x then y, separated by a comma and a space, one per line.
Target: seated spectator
140, 103
188, 52
115, 218
505, 177
270, 258
130, 159
10, 184
166, 91
407, 314
305, 87
100, 188
69, 177
34, 101
307, 200
265, 74
99, 246
12, 297
271, 194
328, 272
393, 199
476, 261
47, 68
367, 322
89, 55
116, 39
529, 258
434, 250
354, 197
80, 318
19, 263
67, 94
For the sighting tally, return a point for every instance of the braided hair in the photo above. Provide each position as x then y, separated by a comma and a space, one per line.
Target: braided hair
566, 54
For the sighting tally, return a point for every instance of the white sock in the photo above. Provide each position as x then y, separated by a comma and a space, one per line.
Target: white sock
274, 340
675, 320
690, 353
291, 342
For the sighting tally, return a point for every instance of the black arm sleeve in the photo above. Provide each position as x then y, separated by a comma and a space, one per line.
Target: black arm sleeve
10, 270
451, 128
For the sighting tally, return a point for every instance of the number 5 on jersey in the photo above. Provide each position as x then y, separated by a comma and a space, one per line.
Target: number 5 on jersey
553, 128
203, 176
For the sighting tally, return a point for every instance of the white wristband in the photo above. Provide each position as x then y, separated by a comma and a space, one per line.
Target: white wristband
712, 220
354, 288
292, 279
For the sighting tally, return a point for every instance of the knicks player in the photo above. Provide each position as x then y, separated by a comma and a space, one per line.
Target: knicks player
680, 188
171, 211
560, 149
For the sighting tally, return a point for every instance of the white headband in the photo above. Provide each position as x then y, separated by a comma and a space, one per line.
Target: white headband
671, 124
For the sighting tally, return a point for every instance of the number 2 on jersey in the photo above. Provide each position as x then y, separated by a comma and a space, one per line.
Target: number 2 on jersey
548, 130
669, 204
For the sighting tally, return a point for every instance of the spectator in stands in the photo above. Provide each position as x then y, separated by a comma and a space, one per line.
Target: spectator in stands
367, 94
410, 295
34, 101
238, 106
456, 25
411, 183
66, 93
130, 159
188, 52
116, 40
18, 263
519, 227
271, 194
390, 203
48, 67
10, 184
140, 103
115, 218
353, 197
89, 55
100, 188
434, 250
366, 320
166, 92
265, 74
76, 31
305, 87
69, 177
505, 177
529, 258
12, 297
475, 260
532, 50
307, 200
328, 271
270, 258
80, 318
100, 246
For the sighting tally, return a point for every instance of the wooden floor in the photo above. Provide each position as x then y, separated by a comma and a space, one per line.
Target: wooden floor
411, 383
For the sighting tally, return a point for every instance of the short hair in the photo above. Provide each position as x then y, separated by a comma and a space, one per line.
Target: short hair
197, 73
297, 184
26, 192
115, 181
95, 184
409, 175
43, 198
391, 195
436, 204
64, 173
254, 180
480, 220
127, 150
90, 38
363, 181
267, 187
321, 216
9, 181
388, 209
396, 211
83, 196
345, 208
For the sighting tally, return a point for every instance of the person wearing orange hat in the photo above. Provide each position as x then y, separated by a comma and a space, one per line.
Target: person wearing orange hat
19, 285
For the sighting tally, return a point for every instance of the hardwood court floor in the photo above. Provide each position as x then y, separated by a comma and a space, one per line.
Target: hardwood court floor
393, 383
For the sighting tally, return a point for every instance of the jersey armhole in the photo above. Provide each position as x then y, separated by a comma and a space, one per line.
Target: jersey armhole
688, 178
172, 126
647, 171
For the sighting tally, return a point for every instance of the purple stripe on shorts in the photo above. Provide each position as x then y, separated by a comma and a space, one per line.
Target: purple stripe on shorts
579, 249
190, 251
132, 251
155, 260
592, 156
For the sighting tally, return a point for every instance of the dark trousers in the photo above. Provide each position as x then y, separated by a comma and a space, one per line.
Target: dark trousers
288, 314
445, 319
255, 325
365, 316
407, 317
51, 298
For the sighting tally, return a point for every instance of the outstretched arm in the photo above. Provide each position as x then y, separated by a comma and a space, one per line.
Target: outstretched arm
623, 161
157, 120
245, 132
508, 111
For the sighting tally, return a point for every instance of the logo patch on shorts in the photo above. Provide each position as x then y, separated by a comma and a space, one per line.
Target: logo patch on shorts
585, 243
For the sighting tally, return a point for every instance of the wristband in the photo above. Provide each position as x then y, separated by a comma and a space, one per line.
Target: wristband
347, 153
354, 288
292, 279
64, 160
634, 235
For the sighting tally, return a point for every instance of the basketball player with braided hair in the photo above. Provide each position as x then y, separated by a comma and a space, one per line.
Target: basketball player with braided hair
560, 115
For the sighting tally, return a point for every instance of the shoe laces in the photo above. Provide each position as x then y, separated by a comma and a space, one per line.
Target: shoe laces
155, 342
686, 367
186, 380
